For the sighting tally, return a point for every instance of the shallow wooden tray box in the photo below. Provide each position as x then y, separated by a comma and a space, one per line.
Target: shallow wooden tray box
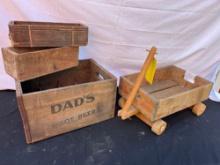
66, 100
169, 94
47, 34
27, 63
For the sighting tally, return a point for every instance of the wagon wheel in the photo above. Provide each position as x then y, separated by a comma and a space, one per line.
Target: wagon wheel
199, 109
158, 127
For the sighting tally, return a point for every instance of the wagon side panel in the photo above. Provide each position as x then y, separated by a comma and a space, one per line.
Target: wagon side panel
170, 105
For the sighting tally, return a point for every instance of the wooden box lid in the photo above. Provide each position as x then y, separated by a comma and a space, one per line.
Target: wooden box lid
47, 34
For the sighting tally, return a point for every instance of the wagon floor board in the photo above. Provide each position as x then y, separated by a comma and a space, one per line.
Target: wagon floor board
158, 86
169, 92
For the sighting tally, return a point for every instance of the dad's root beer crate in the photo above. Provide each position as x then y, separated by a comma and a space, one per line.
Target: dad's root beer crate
169, 93
47, 34
66, 100
27, 63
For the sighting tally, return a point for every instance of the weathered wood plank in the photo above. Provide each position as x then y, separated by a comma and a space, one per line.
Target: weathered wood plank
158, 86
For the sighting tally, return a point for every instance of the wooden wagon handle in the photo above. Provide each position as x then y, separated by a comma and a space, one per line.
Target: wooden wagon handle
138, 83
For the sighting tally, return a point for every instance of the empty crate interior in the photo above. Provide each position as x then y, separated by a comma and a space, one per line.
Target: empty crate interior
87, 71
167, 82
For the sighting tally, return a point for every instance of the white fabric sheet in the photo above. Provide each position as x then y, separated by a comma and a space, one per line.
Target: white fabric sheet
215, 95
186, 33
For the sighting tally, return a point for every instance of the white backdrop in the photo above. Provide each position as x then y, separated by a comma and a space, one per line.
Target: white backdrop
186, 33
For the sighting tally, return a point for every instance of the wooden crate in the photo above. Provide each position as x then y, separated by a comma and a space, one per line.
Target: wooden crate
169, 94
66, 100
47, 34
27, 63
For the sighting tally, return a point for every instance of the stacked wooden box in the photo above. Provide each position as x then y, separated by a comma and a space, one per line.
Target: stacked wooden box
56, 93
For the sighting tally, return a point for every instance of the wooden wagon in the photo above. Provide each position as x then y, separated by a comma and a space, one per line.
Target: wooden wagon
169, 94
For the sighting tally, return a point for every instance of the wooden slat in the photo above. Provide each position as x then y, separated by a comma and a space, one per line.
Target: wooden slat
169, 92
158, 86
